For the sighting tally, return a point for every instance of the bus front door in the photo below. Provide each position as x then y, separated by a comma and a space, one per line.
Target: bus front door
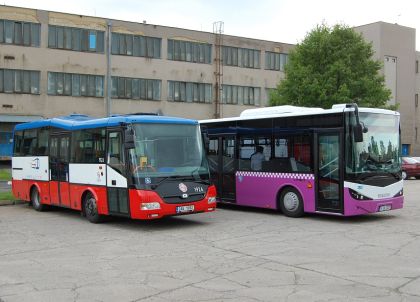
222, 165
328, 171
59, 169
116, 175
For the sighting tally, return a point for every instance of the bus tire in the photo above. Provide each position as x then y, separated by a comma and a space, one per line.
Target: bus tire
36, 200
291, 203
91, 209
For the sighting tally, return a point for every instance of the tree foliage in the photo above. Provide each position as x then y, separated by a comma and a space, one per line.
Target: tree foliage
332, 65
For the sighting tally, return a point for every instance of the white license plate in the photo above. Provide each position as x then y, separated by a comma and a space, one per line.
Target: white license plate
184, 209
385, 207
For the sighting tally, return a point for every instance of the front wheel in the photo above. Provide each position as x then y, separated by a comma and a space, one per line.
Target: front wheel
404, 175
291, 203
91, 209
36, 200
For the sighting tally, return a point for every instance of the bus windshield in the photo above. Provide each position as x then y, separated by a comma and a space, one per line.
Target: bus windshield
380, 149
167, 151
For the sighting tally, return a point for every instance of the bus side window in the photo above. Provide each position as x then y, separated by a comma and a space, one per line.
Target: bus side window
43, 135
17, 143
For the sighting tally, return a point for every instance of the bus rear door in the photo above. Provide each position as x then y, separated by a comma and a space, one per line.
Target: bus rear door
59, 169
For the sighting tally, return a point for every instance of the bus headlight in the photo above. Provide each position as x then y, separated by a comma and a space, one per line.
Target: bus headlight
211, 200
150, 206
400, 193
358, 196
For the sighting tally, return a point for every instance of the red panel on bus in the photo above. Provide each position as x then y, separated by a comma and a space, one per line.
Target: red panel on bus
65, 194
55, 197
76, 194
137, 197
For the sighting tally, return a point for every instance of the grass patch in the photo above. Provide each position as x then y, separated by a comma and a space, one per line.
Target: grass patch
5, 175
6, 196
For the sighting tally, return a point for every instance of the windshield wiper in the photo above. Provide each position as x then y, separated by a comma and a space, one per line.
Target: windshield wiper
154, 186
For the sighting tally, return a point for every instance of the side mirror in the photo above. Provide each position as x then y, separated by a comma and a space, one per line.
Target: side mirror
129, 139
358, 133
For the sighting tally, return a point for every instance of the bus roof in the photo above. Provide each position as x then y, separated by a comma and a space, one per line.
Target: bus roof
286, 111
80, 121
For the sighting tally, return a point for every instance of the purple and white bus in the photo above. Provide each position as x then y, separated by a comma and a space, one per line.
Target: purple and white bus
340, 161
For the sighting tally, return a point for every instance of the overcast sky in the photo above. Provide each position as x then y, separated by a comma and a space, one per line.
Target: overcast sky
275, 20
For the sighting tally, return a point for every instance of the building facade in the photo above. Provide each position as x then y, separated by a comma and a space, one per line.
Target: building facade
55, 64
395, 46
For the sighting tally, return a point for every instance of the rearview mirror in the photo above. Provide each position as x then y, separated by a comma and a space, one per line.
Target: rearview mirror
129, 139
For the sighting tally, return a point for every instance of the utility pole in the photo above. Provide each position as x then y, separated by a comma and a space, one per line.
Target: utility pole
218, 28
108, 69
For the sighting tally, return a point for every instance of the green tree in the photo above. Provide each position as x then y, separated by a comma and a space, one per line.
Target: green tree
332, 65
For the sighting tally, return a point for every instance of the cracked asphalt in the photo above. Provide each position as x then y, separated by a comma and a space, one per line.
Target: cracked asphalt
234, 254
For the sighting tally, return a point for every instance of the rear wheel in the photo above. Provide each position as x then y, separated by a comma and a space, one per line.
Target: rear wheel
36, 200
291, 203
91, 209
404, 175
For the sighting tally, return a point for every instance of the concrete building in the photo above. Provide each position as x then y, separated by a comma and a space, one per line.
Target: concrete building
395, 45
56, 63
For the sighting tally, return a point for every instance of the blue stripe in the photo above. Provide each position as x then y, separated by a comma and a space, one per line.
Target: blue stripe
77, 121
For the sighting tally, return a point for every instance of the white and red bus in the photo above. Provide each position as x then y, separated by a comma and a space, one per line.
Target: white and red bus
341, 161
136, 166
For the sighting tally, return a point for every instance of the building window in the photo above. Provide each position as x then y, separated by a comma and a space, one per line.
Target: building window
417, 66
189, 51
137, 89
416, 100
137, 46
242, 95
189, 92
241, 57
71, 84
19, 81
275, 61
20, 33
78, 39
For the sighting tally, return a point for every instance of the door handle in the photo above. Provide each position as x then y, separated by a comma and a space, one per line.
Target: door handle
114, 182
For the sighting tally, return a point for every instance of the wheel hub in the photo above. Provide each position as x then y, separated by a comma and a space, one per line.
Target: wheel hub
291, 201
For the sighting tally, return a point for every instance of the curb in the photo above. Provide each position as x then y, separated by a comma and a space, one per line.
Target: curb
10, 202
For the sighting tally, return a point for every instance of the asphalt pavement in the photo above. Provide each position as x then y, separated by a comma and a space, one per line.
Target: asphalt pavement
233, 254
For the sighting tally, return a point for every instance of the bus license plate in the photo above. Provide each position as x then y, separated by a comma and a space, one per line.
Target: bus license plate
385, 207
184, 209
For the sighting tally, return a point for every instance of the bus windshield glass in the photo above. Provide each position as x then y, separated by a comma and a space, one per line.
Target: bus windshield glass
380, 149
167, 151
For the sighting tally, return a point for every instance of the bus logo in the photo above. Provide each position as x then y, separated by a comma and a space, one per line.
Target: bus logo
182, 187
35, 164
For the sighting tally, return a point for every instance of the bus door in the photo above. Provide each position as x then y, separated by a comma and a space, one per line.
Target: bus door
117, 189
59, 169
222, 166
329, 170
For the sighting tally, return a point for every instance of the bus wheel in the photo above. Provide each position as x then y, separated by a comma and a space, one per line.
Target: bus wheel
91, 209
291, 203
36, 201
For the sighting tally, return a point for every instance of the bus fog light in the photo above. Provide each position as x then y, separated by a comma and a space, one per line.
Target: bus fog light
150, 206
211, 200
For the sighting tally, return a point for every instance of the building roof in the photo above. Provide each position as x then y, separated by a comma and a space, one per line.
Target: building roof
80, 121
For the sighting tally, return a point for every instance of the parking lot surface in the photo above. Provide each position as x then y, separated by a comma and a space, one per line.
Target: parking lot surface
234, 254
